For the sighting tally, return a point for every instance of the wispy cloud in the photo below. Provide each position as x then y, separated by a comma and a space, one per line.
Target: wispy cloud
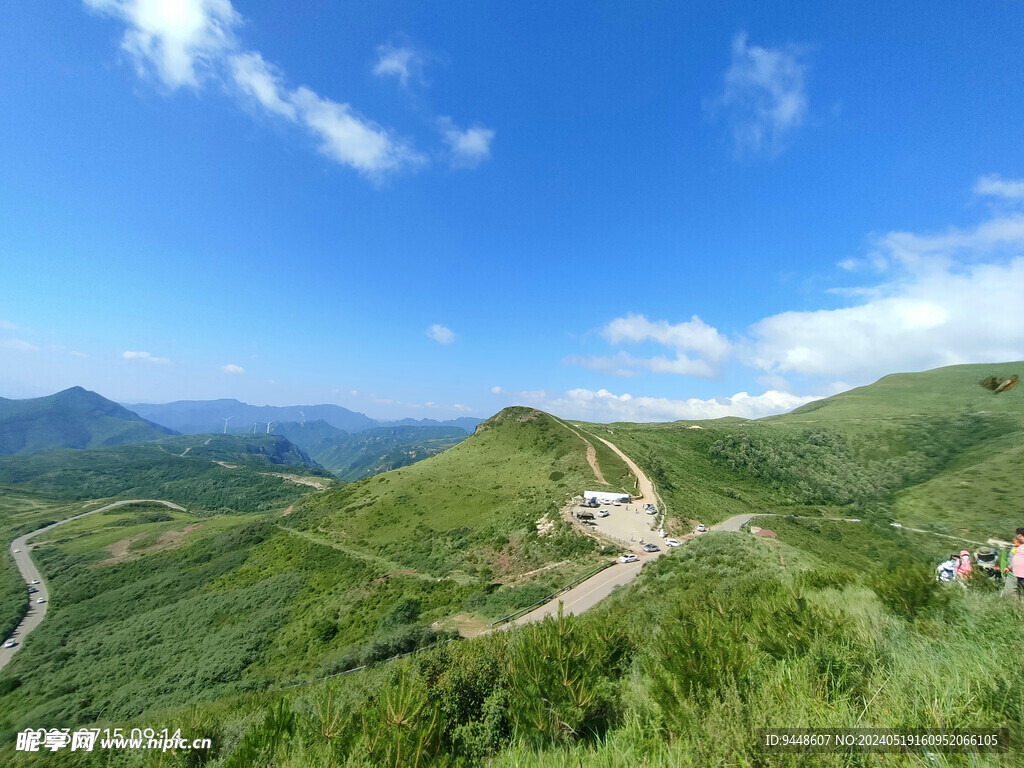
186, 41
604, 406
995, 185
946, 298
18, 344
469, 147
230, 368
7, 326
441, 334
709, 346
764, 97
180, 41
402, 62
135, 355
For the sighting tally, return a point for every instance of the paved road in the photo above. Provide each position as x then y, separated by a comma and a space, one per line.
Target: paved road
20, 550
588, 594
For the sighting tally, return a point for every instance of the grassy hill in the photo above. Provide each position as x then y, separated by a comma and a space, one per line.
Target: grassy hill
74, 418
242, 601
476, 505
241, 473
830, 624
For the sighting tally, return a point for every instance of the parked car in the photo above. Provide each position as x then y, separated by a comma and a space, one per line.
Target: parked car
672, 542
17, 550
701, 528
603, 513
628, 558
34, 581
10, 643
41, 600
652, 511
585, 516
617, 503
651, 548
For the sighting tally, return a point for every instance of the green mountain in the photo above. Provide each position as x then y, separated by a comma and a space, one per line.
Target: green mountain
240, 473
369, 452
277, 587
74, 418
823, 624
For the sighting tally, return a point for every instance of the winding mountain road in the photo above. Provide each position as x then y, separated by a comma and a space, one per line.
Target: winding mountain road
20, 551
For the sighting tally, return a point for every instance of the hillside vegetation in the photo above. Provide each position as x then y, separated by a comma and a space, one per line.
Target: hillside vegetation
475, 506
74, 418
832, 623
242, 602
240, 473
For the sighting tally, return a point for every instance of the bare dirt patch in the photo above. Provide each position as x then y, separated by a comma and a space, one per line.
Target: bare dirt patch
464, 624
299, 480
288, 511
119, 550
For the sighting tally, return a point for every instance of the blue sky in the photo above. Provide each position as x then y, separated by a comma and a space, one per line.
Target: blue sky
606, 211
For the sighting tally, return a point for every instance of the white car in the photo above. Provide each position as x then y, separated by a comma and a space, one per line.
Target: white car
652, 511
10, 643
672, 542
617, 503
701, 528
603, 513
34, 581
17, 550
628, 558
41, 600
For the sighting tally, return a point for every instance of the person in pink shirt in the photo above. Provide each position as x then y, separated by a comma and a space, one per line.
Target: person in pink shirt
1017, 563
963, 570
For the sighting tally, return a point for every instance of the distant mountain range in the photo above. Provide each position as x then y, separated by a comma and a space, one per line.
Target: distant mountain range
369, 452
349, 444
191, 417
74, 418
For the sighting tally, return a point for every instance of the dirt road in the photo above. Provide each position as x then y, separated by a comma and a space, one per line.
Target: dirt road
20, 549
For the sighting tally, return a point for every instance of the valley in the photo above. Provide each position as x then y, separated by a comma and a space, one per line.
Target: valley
248, 590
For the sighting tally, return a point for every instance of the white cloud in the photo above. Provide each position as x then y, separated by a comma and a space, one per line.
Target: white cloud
604, 406
351, 140
995, 185
133, 355
765, 97
403, 62
497, 390
183, 41
441, 334
693, 335
7, 326
258, 79
948, 298
17, 344
174, 37
461, 408
468, 148
229, 368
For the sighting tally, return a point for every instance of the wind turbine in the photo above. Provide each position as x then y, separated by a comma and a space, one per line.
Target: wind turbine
268, 426
229, 418
303, 422
254, 427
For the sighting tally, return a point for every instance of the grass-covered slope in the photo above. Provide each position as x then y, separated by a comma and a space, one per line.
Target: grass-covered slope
241, 473
933, 447
166, 607
73, 418
724, 637
948, 390
473, 506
